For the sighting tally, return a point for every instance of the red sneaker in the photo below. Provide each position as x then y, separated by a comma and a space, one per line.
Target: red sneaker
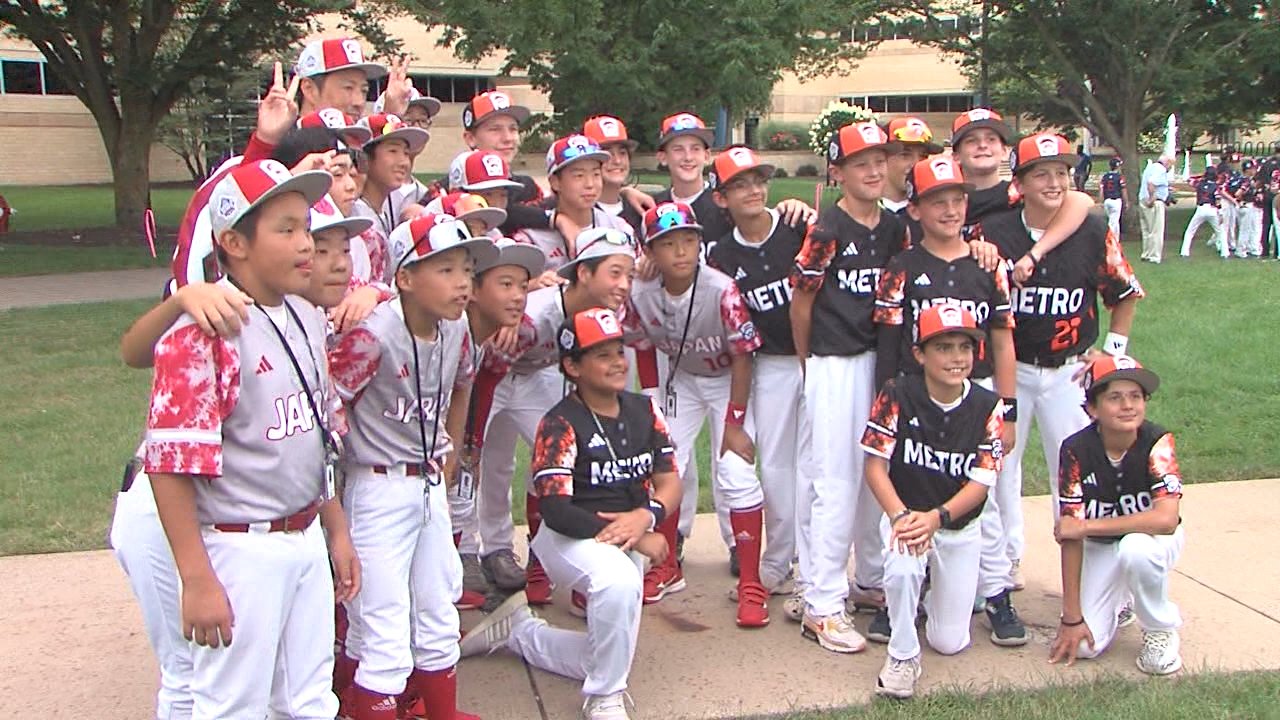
753, 609
470, 600
661, 581
537, 587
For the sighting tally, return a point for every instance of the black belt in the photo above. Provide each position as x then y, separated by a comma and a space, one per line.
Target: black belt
131, 470
1051, 362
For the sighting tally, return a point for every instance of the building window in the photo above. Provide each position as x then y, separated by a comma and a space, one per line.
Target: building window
22, 77
954, 103
53, 85
452, 88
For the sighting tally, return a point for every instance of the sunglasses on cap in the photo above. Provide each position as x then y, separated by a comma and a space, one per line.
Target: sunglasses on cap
610, 236
912, 134
573, 151
673, 217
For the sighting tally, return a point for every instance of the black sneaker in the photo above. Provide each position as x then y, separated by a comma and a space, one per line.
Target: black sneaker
879, 629
1007, 629
734, 568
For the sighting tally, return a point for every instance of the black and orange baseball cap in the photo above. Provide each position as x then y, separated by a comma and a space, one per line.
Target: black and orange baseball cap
1039, 149
668, 217
971, 120
946, 319
1118, 367
912, 131
933, 174
587, 329
487, 104
673, 126
856, 138
735, 160
608, 130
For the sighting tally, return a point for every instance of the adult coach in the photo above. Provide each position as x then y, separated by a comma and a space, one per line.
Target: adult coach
1151, 207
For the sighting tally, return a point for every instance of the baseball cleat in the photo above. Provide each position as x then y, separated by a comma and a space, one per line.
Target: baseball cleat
1007, 629
833, 632
473, 578
863, 600
470, 600
495, 629
753, 607
1125, 617
897, 678
538, 586
1019, 582
793, 607
879, 630
503, 570
661, 581
1160, 652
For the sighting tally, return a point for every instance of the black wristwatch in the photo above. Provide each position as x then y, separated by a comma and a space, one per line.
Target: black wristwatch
944, 516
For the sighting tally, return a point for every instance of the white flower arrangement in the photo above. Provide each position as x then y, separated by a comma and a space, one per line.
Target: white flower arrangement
834, 116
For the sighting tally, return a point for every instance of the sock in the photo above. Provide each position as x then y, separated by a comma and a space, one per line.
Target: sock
439, 692
747, 526
670, 529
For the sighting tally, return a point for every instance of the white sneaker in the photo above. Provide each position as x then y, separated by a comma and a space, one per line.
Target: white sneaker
1125, 617
833, 632
1159, 654
897, 678
1018, 582
606, 707
493, 632
793, 607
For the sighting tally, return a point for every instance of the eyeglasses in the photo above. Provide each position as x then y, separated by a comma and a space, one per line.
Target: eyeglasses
425, 124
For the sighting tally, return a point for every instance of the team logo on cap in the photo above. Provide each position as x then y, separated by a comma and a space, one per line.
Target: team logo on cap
684, 121
951, 316
492, 165
227, 207
1013, 157
309, 62
352, 50
275, 171
500, 101
609, 126
742, 157
833, 150
979, 114
869, 132
567, 339
942, 169
1047, 145
1125, 362
669, 215
332, 117
467, 117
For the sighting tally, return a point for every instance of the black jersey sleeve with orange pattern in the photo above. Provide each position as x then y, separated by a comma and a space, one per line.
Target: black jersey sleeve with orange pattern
881, 434
555, 453
891, 294
1070, 483
1001, 305
1162, 466
1115, 278
815, 256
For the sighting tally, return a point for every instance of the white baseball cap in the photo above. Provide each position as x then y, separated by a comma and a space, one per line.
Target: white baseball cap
249, 185
385, 126
346, 127
595, 243
321, 57
480, 170
510, 252
326, 216
430, 234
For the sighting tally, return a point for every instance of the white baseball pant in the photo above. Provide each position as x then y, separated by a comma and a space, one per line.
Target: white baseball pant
838, 392
953, 579
1136, 567
1227, 216
1114, 207
613, 583
995, 574
280, 660
410, 577
1250, 231
1204, 214
519, 402
1056, 403
141, 548
780, 429
699, 399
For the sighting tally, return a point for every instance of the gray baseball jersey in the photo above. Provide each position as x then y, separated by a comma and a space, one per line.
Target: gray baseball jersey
553, 243
716, 328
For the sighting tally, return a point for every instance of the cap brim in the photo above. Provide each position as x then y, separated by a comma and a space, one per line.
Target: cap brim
519, 113
492, 217
569, 270
631, 144
492, 185
416, 138
482, 250
691, 226
886, 148
352, 225
930, 148
966, 187
975, 333
764, 168
1069, 159
357, 135
1146, 379
372, 71
999, 126
703, 134
529, 257
598, 156
430, 104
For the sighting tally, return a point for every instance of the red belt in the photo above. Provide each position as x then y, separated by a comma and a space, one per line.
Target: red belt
409, 469
296, 522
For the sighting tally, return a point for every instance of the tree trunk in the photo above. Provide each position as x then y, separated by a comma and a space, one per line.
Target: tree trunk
131, 171
1130, 223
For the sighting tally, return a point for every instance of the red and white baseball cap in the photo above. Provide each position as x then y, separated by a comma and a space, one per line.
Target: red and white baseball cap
1039, 149
912, 131
416, 99
249, 185
856, 138
465, 206
587, 329
347, 127
321, 57
571, 149
480, 170
673, 126
608, 130
518, 254
430, 234
971, 120
491, 103
667, 217
933, 174
385, 126
1119, 367
735, 160
326, 216
944, 319
597, 242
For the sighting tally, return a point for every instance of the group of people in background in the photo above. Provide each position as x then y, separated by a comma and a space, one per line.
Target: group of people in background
348, 356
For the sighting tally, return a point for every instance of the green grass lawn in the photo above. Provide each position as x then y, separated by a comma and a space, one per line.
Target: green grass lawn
20, 260
58, 207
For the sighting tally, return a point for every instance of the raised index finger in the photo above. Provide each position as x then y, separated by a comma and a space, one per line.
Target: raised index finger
278, 79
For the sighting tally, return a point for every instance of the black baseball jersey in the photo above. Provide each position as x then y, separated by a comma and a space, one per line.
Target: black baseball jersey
841, 260
1270, 173
914, 231
715, 220
529, 193
607, 467
1237, 184
1057, 308
932, 451
916, 280
762, 274
1254, 193
1112, 184
1091, 487
1207, 192
997, 198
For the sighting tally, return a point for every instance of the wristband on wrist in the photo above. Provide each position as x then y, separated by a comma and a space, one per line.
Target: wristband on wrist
659, 512
1032, 254
1115, 344
1076, 623
1010, 409
901, 514
944, 516
735, 415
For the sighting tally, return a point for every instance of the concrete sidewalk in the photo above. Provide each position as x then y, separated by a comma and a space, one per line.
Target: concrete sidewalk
85, 287
74, 645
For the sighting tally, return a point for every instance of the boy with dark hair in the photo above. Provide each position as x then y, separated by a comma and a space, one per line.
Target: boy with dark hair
390, 164
1112, 192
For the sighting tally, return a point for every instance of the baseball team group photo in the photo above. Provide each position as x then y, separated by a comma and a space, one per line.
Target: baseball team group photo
810, 359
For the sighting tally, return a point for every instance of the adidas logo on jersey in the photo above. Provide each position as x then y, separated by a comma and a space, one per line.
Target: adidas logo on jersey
914, 422
923, 281
403, 372
850, 251
264, 366
739, 275
597, 441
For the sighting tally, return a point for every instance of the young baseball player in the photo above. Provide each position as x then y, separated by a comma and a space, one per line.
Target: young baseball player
524, 386
605, 471
1253, 206
241, 465
390, 165
491, 122
940, 271
1056, 314
914, 141
758, 254
1208, 211
611, 135
1119, 526
933, 446
695, 316
403, 374
1112, 192
835, 277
